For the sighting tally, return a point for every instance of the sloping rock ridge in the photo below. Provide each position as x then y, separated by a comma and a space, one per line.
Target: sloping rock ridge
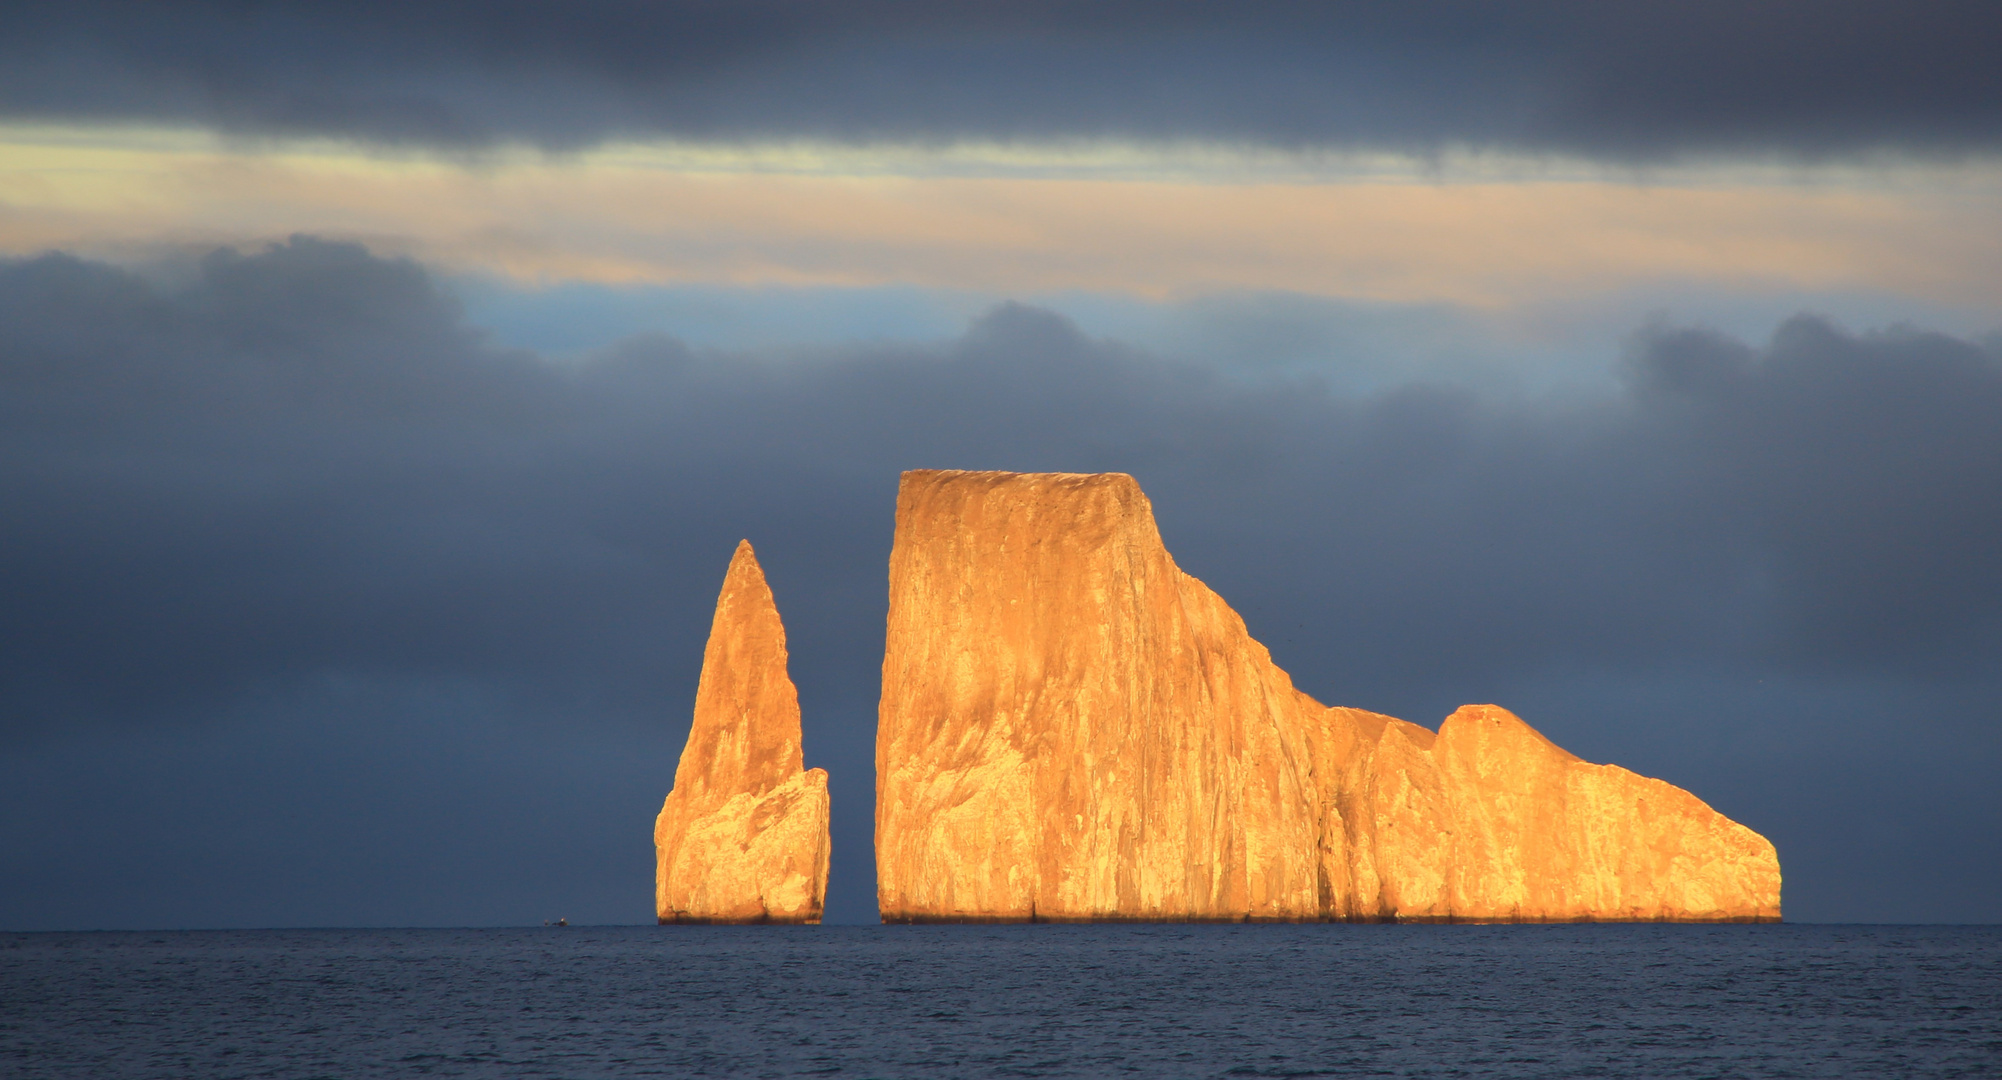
742, 837
1072, 729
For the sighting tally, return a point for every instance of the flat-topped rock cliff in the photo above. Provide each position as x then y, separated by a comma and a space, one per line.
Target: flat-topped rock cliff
742, 837
1073, 729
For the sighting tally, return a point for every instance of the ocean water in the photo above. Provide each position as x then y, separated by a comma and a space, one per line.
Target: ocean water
1008, 1001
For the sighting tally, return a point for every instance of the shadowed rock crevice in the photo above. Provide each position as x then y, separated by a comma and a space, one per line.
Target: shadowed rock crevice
1072, 729
743, 836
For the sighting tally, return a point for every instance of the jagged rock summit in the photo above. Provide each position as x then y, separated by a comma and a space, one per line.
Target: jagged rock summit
1073, 729
742, 837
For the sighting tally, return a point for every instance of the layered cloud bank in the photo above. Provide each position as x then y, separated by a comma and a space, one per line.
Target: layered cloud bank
313, 431
239, 479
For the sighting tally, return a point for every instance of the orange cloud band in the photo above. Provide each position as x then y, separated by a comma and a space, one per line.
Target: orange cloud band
1481, 241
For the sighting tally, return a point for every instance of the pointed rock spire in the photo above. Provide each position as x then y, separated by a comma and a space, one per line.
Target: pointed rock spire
743, 834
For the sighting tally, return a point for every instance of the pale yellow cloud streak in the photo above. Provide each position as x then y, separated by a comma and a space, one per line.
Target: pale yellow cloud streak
632, 216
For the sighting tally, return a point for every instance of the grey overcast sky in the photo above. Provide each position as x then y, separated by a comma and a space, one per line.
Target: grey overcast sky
1798, 76
383, 389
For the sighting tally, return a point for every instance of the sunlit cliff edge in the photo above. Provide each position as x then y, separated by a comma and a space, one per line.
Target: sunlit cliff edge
743, 835
1072, 729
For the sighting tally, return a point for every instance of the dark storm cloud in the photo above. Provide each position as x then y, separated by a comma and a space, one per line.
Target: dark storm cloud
302, 463
1624, 80
292, 492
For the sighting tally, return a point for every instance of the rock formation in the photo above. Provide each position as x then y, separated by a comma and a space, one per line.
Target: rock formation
742, 837
1073, 729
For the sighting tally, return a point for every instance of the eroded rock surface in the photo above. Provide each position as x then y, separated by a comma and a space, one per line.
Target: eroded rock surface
1073, 729
743, 835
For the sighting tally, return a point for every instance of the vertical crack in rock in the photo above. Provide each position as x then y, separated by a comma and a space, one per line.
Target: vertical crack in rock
1073, 729
742, 837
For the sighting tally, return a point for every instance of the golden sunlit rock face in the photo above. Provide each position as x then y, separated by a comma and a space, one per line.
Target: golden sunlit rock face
1073, 729
743, 836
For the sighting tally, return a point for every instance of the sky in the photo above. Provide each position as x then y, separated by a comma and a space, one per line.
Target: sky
384, 388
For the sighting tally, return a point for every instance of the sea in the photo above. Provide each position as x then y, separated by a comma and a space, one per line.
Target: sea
1008, 1001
